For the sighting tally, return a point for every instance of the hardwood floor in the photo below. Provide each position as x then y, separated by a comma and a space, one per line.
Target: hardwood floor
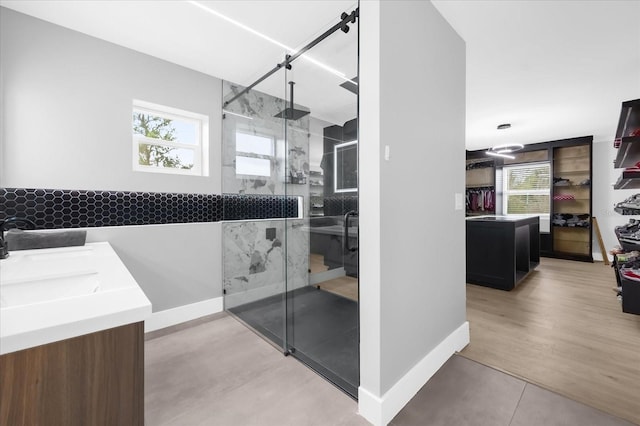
563, 329
343, 286
316, 263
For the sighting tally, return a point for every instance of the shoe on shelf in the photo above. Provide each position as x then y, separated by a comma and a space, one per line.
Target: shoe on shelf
631, 274
627, 257
616, 250
630, 206
558, 181
585, 182
564, 197
632, 238
629, 227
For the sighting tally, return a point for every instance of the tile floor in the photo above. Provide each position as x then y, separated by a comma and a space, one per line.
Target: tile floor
464, 392
219, 372
325, 332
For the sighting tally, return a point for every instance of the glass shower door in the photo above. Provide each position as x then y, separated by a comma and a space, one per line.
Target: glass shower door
255, 206
322, 158
290, 188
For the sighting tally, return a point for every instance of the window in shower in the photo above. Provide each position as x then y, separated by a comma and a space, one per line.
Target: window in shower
254, 154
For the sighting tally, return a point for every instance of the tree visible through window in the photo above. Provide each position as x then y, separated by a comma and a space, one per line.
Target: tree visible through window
157, 155
168, 140
527, 189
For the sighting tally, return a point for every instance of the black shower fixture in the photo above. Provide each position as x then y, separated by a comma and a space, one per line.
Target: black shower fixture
351, 85
291, 113
345, 22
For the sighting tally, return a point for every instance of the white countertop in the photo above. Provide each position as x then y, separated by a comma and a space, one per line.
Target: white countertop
113, 299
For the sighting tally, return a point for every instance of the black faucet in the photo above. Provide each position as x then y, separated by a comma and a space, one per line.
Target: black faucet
4, 250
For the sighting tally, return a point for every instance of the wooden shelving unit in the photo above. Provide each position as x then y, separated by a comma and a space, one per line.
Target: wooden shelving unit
480, 175
476, 178
571, 240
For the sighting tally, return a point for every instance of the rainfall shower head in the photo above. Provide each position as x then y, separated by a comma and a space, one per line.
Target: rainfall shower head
351, 85
291, 113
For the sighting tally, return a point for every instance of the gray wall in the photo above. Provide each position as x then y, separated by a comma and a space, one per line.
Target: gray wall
67, 109
422, 238
175, 265
416, 282
66, 115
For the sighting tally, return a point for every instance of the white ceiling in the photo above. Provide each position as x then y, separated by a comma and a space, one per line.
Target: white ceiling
553, 69
179, 32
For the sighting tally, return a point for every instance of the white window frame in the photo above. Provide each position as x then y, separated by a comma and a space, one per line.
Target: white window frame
200, 149
506, 192
271, 157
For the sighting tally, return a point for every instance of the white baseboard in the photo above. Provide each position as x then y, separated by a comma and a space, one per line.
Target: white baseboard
381, 410
597, 257
174, 316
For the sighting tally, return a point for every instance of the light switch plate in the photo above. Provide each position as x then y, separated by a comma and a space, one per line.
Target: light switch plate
457, 201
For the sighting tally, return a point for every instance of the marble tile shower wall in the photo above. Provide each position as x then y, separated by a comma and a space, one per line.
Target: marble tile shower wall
256, 116
254, 259
253, 251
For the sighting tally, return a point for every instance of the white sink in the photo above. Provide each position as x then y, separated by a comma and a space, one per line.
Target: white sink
48, 295
30, 265
48, 289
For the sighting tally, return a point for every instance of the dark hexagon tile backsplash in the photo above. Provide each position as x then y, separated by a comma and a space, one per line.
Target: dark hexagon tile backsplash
60, 208
242, 207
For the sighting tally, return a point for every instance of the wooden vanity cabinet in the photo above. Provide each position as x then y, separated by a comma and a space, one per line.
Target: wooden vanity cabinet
96, 379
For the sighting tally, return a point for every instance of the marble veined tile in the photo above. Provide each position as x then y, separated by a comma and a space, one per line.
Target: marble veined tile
254, 265
253, 113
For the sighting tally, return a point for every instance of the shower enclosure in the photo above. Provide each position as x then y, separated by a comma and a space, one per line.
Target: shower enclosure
290, 178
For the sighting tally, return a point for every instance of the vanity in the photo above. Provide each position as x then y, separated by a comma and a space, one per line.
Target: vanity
501, 250
71, 338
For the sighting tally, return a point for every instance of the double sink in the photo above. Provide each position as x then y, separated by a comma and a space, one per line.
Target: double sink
48, 295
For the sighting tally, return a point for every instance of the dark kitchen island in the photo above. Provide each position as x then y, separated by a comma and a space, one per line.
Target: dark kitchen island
501, 250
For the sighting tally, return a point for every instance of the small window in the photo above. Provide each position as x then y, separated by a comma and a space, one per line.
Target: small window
254, 154
527, 189
169, 140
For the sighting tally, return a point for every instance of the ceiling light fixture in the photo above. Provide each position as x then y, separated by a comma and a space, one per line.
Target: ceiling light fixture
504, 126
505, 151
270, 40
497, 154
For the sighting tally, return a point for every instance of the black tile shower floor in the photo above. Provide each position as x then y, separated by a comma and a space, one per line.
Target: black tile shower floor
322, 329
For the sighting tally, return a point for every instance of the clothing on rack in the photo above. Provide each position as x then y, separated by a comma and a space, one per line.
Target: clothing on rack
481, 200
